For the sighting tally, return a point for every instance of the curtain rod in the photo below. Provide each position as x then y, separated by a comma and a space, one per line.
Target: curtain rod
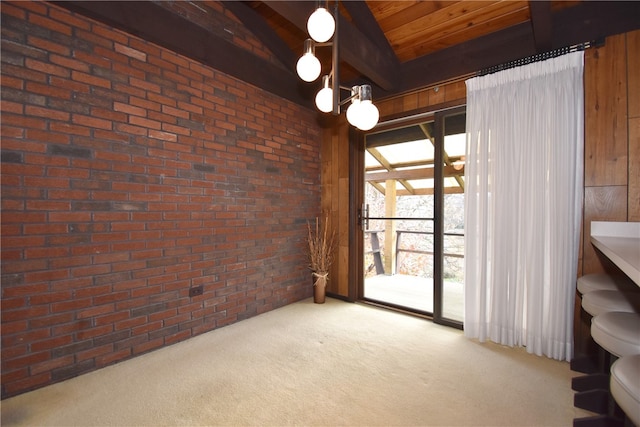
540, 57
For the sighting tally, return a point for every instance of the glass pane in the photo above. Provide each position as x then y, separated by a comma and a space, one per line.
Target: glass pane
453, 221
408, 152
398, 258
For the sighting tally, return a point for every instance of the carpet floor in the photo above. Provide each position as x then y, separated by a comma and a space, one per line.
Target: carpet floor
332, 364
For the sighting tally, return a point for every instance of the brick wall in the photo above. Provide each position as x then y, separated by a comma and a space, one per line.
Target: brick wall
129, 175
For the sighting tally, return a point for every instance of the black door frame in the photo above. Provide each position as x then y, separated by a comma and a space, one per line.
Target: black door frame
356, 199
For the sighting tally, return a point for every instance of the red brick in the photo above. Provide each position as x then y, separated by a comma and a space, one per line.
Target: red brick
48, 205
112, 318
129, 109
67, 18
52, 364
95, 352
90, 79
127, 70
75, 283
110, 34
147, 86
51, 343
11, 107
31, 253
174, 58
68, 128
133, 53
91, 270
147, 346
113, 357
94, 332
46, 68
95, 311
91, 122
9, 9
70, 63
92, 59
46, 228
145, 123
23, 313
22, 241
50, 24
23, 121
74, 305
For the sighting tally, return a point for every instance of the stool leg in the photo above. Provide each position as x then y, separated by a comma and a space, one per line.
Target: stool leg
598, 421
592, 400
590, 382
587, 358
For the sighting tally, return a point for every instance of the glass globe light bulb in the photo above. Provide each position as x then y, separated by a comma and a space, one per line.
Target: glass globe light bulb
368, 115
324, 100
353, 112
308, 67
321, 25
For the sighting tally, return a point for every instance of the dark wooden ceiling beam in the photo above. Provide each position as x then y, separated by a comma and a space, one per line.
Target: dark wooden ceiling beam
365, 22
259, 27
586, 21
355, 48
541, 23
172, 31
466, 58
593, 20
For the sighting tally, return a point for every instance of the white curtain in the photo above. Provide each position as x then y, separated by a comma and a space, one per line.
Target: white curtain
524, 179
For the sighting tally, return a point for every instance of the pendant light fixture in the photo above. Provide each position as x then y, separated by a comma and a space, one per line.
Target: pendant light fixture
322, 26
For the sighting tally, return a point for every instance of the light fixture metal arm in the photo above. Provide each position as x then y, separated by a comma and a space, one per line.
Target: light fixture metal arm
335, 63
353, 93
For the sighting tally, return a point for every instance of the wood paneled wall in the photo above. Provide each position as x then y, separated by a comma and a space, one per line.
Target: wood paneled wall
612, 140
335, 199
612, 148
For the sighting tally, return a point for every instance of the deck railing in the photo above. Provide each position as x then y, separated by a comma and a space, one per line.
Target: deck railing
377, 255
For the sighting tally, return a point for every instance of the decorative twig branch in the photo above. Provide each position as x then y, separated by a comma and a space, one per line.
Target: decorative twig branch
321, 242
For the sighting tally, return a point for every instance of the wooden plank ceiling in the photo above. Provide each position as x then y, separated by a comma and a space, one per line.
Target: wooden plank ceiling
396, 46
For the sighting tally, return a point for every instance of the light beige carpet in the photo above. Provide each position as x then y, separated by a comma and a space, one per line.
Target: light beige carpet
308, 364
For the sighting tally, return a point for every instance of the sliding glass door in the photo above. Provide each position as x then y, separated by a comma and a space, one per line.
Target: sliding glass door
412, 216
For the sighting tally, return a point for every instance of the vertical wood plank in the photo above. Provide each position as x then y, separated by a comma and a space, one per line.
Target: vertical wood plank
335, 197
601, 204
410, 102
633, 90
423, 98
455, 91
343, 234
606, 114
634, 169
633, 72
